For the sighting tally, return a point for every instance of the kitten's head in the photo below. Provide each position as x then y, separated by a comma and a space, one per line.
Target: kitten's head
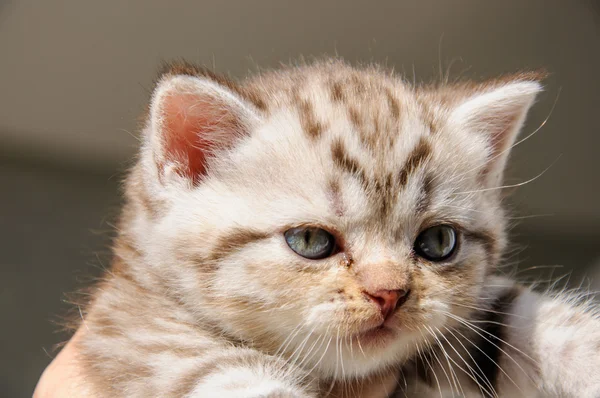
334, 215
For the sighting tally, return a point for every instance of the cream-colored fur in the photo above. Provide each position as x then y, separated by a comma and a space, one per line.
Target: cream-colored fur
206, 299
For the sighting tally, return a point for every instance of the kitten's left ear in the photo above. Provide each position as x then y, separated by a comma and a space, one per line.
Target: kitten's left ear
497, 112
193, 114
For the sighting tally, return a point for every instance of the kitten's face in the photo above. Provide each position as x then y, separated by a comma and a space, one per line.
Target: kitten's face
360, 156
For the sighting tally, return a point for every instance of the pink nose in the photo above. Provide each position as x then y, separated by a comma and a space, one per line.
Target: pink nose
388, 300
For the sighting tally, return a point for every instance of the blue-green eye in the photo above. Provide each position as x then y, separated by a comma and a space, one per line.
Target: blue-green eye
436, 243
310, 242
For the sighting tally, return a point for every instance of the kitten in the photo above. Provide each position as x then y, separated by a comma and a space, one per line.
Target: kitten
327, 230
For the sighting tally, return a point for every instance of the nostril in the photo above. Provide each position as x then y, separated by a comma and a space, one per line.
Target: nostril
379, 300
388, 300
403, 297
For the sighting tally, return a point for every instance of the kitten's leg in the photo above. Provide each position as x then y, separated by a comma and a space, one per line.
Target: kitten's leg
119, 368
146, 345
550, 345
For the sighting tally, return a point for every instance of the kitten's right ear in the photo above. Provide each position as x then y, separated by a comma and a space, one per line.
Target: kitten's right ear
497, 111
190, 117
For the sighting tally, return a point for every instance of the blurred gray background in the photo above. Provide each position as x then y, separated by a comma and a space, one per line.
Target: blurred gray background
75, 76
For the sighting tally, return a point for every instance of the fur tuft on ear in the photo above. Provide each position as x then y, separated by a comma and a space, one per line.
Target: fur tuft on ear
498, 112
190, 116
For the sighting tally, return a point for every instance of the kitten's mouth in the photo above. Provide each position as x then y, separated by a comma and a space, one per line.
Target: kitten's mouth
380, 335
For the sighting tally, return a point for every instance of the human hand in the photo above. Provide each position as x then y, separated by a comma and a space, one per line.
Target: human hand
62, 378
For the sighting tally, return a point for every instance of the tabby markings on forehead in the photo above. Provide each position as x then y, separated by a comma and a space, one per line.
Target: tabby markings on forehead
393, 104
425, 196
347, 163
368, 135
428, 115
311, 126
385, 193
335, 197
337, 93
382, 190
257, 99
355, 118
416, 158
358, 84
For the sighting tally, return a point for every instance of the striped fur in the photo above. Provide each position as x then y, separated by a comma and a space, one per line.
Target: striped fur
205, 299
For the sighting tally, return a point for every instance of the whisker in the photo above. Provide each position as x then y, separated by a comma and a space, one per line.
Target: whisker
492, 390
455, 379
486, 355
503, 341
322, 355
488, 310
432, 351
495, 345
511, 185
425, 359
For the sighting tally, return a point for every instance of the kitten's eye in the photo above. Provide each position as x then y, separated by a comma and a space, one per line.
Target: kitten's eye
310, 242
436, 243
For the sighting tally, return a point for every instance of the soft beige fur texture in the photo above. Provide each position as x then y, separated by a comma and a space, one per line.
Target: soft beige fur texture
205, 298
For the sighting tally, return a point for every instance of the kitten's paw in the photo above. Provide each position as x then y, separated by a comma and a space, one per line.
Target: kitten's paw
285, 393
593, 392
249, 383
253, 392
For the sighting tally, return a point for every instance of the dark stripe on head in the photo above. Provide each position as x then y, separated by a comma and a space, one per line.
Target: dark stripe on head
234, 241
257, 99
486, 352
384, 193
336, 197
337, 92
308, 119
355, 118
429, 117
415, 159
358, 84
346, 162
393, 104
425, 196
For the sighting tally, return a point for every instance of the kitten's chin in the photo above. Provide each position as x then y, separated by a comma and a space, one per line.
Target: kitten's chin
363, 355
366, 353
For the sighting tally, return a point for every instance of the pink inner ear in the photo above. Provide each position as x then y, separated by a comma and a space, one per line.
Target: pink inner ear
188, 120
502, 127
